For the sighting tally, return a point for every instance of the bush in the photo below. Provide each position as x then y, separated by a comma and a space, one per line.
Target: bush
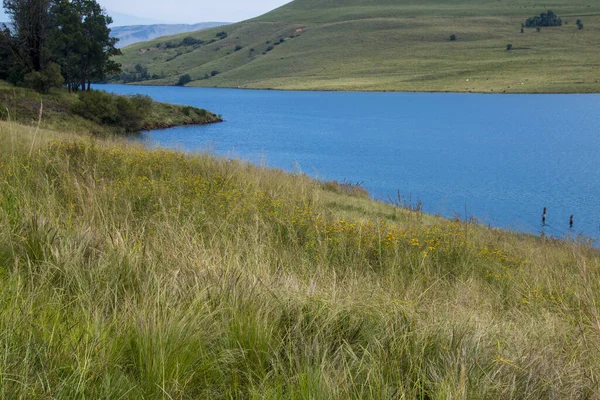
190, 41
270, 48
103, 108
132, 111
238, 47
579, 24
222, 35
214, 73
43, 81
509, 47
544, 19
452, 38
184, 80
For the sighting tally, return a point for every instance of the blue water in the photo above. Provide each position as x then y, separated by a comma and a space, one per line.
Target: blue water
500, 158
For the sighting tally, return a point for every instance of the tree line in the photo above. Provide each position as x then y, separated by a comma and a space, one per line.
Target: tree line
51, 43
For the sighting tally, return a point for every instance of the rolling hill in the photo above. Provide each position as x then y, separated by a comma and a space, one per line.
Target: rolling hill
132, 34
401, 45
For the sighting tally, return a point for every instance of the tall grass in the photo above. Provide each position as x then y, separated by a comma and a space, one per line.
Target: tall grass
135, 273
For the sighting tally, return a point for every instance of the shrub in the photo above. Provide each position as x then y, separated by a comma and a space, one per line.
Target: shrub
96, 106
49, 77
222, 35
127, 113
190, 41
238, 47
538, 29
214, 73
452, 37
270, 48
544, 19
132, 111
184, 80
509, 47
579, 24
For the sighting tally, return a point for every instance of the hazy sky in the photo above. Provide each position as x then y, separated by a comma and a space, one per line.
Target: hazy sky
190, 11
132, 12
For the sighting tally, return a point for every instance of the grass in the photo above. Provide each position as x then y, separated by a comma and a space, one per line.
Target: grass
389, 45
24, 105
136, 273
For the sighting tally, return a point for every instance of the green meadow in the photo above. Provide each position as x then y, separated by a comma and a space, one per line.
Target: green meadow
388, 45
130, 273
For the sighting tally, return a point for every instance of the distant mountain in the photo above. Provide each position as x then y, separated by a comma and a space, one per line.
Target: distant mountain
129, 35
121, 19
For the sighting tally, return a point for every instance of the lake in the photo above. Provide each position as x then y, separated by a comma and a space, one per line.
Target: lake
500, 158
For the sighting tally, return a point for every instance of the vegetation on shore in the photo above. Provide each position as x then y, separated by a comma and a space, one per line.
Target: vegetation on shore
385, 45
95, 112
137, 273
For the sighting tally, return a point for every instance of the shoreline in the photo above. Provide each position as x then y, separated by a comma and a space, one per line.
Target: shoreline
363, 91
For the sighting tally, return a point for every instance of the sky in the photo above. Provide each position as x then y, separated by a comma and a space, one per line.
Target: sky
135, 12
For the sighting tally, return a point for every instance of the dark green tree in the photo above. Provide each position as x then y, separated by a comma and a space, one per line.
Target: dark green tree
68, 40
31, 23
98, 47
544, 19
184, 80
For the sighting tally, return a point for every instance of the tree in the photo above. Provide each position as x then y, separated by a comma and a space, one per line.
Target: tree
31, 22
544, 19
73, 34
99, 46
69, 40
184, 80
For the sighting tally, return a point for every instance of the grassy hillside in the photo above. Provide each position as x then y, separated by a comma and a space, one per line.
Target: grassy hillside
135, 273
63, 111
390, 45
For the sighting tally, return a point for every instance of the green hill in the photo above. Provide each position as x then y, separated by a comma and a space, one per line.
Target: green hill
387, 45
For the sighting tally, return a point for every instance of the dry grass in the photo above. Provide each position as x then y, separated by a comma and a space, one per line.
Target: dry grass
135, 273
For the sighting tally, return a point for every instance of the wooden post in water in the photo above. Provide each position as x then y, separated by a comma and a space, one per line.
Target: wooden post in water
544, 217
571, 222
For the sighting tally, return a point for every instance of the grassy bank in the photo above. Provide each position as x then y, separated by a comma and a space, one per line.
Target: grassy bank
135, 273
92, 112
400, 45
